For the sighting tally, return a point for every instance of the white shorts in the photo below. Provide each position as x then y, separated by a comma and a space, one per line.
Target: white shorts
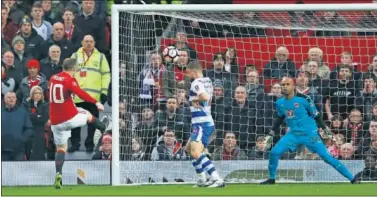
62, 131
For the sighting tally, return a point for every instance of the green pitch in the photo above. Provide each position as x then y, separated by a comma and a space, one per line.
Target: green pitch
343, 189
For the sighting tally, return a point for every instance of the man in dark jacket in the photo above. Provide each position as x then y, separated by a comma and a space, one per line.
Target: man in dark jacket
241, 119
32, 39
57, 38
91, 24
15, 71
21, 56
173, 118
218, 72
280, 65
169, 148
51, 65
369, 173
16, 129
72, 32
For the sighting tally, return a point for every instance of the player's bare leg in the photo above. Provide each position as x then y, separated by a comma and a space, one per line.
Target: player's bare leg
203, 163
61, 149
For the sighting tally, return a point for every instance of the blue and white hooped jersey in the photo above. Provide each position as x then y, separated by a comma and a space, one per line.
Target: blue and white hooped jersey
201, 115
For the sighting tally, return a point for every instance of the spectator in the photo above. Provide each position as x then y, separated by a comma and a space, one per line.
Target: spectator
172, 118
219, 73
72, 32
366, 140
248, 68
347, 59
259, 151
146, 131
241, 120
316, 81
34, 79
369, 173
316, 54
334, 149
91, 24
181, 43
367, 96
50, 14
43, 28
15, 71
231, 62
32, 40
255, 91
337, 125
94, 78
372, 68
14, 13
39, 114
280, 66
341, 94
51, 65
176, 77
138, 152
21, 57
229, 150
105, 149
182, 98
218, 106
8, 27
150, 83
372, 148
269, 107
347, 151
354, 127
57, 38
16, 129
7, 83
302, 86
168, 149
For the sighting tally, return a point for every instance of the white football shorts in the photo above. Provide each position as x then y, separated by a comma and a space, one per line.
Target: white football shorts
62, 131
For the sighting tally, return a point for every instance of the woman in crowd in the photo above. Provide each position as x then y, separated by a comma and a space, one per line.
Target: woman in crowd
39, 115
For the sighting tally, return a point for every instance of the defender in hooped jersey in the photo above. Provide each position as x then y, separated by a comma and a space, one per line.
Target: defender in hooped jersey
202, 126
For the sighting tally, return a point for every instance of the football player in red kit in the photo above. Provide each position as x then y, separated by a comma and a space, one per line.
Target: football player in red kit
65, 116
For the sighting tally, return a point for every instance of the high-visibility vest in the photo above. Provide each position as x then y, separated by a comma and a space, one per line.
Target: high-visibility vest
93, 74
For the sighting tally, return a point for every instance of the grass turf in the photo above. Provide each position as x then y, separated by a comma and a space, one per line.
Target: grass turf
343, 189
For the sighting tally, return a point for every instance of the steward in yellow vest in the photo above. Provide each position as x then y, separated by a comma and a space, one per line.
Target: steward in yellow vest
93, 72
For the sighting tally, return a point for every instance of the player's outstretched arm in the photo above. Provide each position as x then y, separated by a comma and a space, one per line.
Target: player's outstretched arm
81, 93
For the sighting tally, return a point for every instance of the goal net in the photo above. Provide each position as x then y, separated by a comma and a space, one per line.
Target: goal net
329, 50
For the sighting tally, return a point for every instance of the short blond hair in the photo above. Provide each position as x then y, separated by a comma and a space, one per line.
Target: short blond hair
32, 90
316, 50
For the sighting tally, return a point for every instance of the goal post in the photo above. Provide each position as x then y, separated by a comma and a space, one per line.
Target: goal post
135, 33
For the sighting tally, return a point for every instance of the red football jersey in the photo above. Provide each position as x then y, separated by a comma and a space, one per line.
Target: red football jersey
62, 86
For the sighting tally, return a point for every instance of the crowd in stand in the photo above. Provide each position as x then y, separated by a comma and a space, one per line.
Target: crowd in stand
38, 36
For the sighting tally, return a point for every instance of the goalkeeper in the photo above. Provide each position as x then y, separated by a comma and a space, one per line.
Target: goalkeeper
302, 118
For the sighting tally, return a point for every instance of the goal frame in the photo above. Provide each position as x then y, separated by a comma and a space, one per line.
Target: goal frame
116, 9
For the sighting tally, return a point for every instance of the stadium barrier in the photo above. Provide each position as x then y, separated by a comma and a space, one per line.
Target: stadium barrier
98, 172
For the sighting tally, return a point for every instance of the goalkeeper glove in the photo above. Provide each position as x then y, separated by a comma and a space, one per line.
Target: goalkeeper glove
269, 140
328, 134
